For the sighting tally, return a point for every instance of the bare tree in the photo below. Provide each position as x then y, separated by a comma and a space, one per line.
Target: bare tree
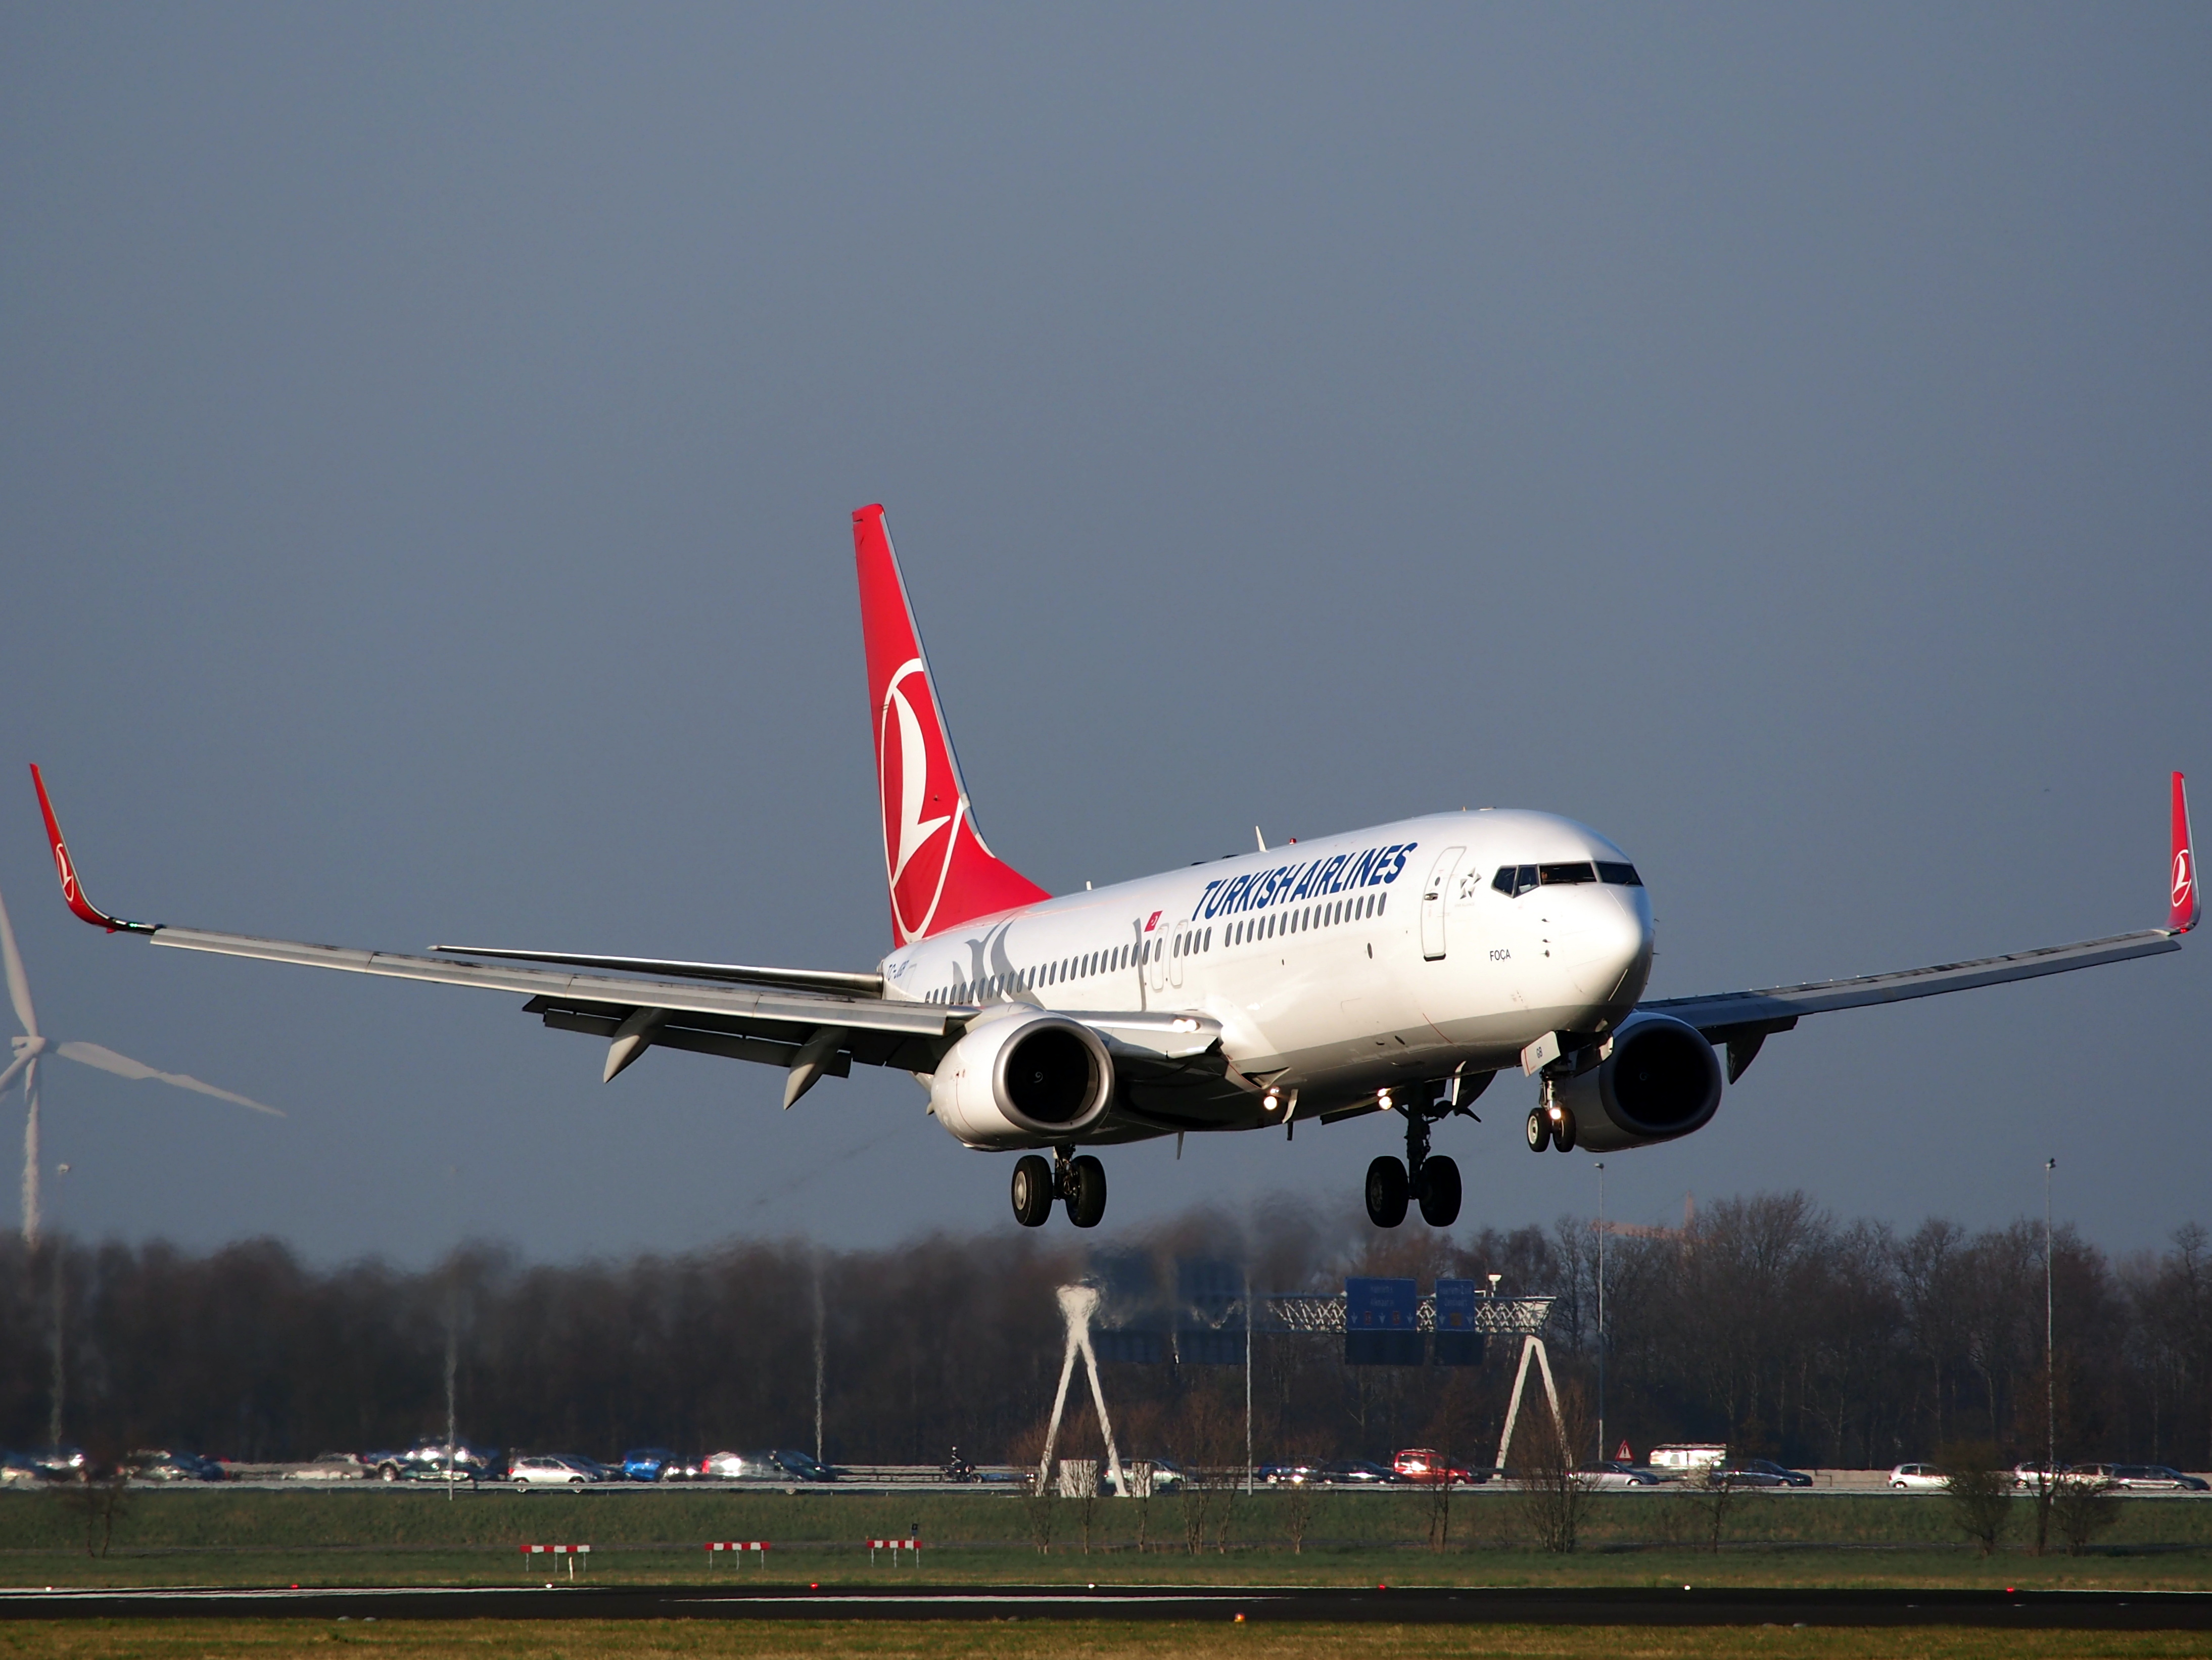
2082, 1510
1980, 1494
1709, 1497
1555, 1495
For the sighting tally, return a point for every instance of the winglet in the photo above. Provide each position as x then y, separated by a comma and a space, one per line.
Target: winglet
72, 890
2188, 904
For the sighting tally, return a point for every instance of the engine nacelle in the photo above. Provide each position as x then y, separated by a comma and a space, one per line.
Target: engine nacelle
1025, 1079
1662, 1080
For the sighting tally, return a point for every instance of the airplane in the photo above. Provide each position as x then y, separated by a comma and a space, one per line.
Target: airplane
1399, 968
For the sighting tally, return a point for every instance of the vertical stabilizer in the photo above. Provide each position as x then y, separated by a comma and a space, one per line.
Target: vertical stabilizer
2185, 903
939, 872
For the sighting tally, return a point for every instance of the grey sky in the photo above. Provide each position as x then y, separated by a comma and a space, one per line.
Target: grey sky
1776, 436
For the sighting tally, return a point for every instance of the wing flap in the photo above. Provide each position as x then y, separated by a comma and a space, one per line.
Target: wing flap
830, 980
790, 1007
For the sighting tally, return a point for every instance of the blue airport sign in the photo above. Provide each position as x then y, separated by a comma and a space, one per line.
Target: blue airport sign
1382, 1322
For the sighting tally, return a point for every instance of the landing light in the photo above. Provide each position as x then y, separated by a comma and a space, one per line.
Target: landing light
1182, 1025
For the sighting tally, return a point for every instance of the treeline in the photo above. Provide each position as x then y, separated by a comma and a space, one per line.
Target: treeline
1770, 1324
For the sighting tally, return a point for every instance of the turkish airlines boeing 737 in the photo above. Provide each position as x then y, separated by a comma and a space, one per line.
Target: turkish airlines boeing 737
1394, 970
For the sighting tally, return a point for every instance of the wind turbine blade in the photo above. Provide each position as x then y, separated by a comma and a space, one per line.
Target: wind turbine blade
18, 984
9, 1076
91, 1054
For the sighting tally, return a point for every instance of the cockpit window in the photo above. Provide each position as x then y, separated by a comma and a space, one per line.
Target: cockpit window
1620, 876
1556, 875
1514, 880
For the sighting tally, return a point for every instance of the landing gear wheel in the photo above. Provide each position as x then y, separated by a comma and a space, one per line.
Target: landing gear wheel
1540, 1130
1086, 1191
1386, 1192
1562, 1133
1438, 1189
1032, 1190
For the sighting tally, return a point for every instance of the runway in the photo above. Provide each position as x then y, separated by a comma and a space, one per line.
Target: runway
2022, 1610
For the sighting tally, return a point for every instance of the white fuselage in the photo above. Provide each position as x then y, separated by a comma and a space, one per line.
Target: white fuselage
1336, 967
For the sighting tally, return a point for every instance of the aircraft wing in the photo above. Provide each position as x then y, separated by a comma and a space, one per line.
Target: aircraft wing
1744, 1019
812, 1033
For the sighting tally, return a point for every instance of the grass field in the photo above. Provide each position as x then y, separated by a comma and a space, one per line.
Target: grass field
183, 1639
407, 1537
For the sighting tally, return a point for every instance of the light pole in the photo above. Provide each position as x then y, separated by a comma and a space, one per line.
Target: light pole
2050, 1379
453, 1331
820, 1352
1247, 1379
1601, 1311
54, 1423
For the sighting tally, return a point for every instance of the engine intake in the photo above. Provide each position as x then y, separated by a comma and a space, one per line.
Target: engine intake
1663, 1080
1028, 1080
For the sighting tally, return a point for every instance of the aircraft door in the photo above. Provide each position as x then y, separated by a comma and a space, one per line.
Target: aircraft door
1184, 935
1155, 947
1433, 896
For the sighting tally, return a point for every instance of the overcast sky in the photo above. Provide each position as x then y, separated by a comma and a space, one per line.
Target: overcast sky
1776, 436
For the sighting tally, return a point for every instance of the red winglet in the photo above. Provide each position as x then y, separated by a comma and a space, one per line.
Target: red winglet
72, 890
2188, 904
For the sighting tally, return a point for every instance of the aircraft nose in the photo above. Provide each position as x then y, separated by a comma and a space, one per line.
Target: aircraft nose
1606, 945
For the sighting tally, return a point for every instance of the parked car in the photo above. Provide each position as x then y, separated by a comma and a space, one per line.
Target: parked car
429, 1461
1754, 1473
2030, 1476
2159, 1478
148, 1464
1918, 1478
554, 1470
1358, 1472
1612, 1474
1427, 1464
651, 1464
2138, 1478
742, 1467
1165, 1475
1764, 1473
803, 1465
63, 1463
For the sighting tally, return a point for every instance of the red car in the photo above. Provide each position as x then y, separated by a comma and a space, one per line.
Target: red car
1427, 1464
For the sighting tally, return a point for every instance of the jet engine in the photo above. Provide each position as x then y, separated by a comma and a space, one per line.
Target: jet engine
1027, 1079
1662, 1080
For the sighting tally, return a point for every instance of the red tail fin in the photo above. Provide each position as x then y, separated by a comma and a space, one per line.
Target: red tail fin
2188, 904
939, 872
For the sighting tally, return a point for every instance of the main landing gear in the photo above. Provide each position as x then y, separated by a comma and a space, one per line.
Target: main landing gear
1429, 1180
1081, 1181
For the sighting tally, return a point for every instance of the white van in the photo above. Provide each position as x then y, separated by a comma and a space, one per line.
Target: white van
1687, 1459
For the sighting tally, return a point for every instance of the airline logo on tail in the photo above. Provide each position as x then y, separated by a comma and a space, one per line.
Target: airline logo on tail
903, 748
938, 870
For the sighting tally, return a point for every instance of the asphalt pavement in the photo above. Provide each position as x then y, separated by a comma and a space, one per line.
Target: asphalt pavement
2022, 1610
